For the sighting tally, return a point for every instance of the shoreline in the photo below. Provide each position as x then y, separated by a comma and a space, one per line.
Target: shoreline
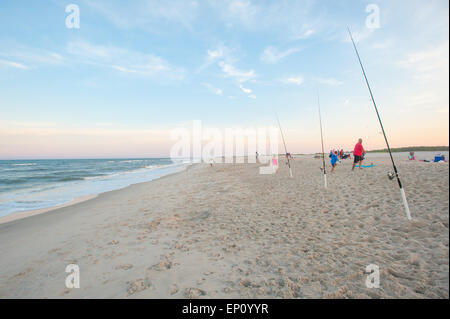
27, 213
32, 212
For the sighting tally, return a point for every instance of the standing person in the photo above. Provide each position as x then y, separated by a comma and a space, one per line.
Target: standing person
358, 154
274, 161
334, 160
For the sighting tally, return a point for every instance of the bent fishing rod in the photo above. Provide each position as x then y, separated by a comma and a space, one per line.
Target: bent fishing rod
285, 148
402, 191
323, 151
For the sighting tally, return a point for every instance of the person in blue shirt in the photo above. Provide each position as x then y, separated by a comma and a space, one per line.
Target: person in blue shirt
334, 160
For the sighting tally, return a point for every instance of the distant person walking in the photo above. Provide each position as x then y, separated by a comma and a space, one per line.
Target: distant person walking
358, 154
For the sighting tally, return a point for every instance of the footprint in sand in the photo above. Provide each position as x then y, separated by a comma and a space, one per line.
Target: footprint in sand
193, 293
138, 285
173, 289
124, 266
163, 265
23, 273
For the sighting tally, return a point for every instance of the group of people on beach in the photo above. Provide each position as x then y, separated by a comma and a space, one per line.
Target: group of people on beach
339, 153
335, 157
358, 155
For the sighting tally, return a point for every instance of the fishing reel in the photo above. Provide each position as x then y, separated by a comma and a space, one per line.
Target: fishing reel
391, 175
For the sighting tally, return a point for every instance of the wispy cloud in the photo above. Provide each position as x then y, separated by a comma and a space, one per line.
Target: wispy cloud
427, 60
247, 91
13, 64
123, 60
82, 52
297, 80
273, 55
302, 31
220, 52
224, 58
282, 16
230, 71
213, 89
241, 11
27, 58
148, 15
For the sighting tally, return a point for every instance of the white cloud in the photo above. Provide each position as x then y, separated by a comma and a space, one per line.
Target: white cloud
298, 80
82, 52
220, 52
308, 33
26, 58
148, 15
301, 32
272, 55
242, 10
427, 60
87, 50
13, 64
231, 71
215, 54
281, 16
246, 91
123, 60
212, 89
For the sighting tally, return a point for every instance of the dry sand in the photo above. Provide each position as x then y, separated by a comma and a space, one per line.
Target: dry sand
229, 232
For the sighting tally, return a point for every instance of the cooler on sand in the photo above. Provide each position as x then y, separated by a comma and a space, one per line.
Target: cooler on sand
439, 158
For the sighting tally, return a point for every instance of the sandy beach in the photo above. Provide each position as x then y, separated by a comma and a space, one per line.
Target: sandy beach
228, 232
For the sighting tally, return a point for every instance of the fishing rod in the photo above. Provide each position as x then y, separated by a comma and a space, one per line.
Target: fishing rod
402, 191
285, 148
323, 151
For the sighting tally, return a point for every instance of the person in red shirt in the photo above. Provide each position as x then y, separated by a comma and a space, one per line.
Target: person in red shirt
358, 154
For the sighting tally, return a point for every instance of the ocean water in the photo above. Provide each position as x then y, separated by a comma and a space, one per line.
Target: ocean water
35, 184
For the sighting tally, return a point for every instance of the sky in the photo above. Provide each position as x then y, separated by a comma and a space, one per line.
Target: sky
134, 71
